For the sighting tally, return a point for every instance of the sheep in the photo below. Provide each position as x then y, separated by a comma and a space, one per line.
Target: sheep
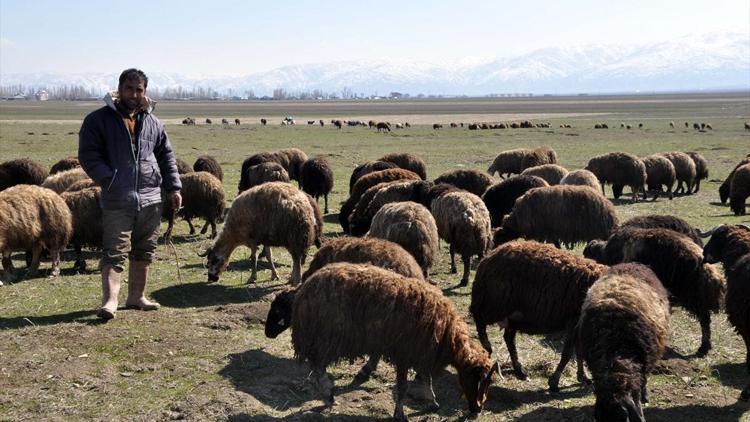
294, 158
209, 164
86, 219
34, 218
411, 324
58, 182
22, 171
383, 126
202, 196
517, 160
685, 170
623, 331
747, 126
64, 164
501, 197
739, 190
379, 195
81, 184
272, 214
407, 161
464, 222
619, 168
237, 122
367, 168
563, 213
366, 182
696, 126
183, 167
582, 178
253, 160
724, 188
316, 178
731, 246
436, 126
263, 122
533, 288
551, 173
265, 172
671, 125
659, 171
413, 227
671, 222
208, 121
701, 169
470, 180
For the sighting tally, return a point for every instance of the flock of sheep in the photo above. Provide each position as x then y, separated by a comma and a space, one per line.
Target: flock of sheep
613, 302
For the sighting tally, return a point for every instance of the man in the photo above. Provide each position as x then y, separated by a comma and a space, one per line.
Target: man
126, 151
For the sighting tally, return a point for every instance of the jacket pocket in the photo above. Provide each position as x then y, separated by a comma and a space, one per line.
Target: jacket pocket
150, 175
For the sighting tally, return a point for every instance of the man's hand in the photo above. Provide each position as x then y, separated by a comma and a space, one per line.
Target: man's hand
175, 199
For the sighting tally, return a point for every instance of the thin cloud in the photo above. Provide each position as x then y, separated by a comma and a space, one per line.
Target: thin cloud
5, 42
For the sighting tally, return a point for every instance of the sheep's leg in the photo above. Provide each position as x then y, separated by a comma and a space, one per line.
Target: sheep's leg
421, 389
603, 193
510, 342
644, 390
453, 260
483, 338
635, 194
213, 230
697, 186
467, 269
205, 227
190, 223
269, 257
581, 374
364, 374
705, 321
689, 187
325, 199
399, 392
567, 353
254, 268
324, 384
8, 266
296, 270
55, 258
746, 392
34, 266
669, 191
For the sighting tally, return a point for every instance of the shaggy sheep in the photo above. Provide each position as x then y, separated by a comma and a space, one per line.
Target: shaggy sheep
501, 197
209, 164
383, 126
619, 168
533, 288
358, 215
724, 188
623, 331
412, 325
34, 218
294, 158
659, 171
739, 189
87, 221
366, 182
60, 181
316, 178
551, 173
272, 214
474, 181
701, 169
685, 170
517, 160
183, 167
64, 164
413, 227
254, 160
564, 213
383, 193
367, 168
407, 161
263, 122
81, 184
582, 178
202, 197
265, 172
464, 222
22, 171
731, 246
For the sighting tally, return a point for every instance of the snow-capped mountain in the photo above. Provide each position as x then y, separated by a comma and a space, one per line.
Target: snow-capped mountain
700, 62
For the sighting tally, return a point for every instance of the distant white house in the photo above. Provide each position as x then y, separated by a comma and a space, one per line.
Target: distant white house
42, 95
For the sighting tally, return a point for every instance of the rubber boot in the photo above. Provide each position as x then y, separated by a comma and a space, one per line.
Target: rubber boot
137, 274
110, 292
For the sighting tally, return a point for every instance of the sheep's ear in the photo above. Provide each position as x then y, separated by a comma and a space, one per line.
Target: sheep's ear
708, 233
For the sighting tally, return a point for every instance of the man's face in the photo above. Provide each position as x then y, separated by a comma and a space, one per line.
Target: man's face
132, 92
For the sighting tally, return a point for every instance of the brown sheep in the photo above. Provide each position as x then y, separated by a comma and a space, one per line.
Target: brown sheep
501, 197
367, 168
383, 126
64, 164
701, 168
581, 178
739, 190
358, 216
533, 288
81, 184
551, 173
407, 161
685, 170
412, 325
265, 172
60, 181
659, 172
292, 160
413, 227
619, 168
470, 180
316, 178
87, 221
209, 164
34, 218
724, 188
517, 160
22, 171
202, 197
183, 167
379, 195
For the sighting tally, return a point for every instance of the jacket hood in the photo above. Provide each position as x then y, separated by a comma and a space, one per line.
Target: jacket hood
112, 97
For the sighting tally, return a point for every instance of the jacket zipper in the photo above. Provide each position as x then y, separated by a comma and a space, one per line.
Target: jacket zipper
112, 181
133, 154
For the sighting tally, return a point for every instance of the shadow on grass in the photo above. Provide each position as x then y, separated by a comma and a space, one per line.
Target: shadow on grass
30, 321
732, 374
197, 295
677, 413
303, 416
331, 218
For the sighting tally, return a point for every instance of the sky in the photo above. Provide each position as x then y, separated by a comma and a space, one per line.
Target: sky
243, 37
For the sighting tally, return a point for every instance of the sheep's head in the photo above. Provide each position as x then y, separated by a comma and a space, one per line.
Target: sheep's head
595, 250
714, 249
475, 383
216, 263
617, 410
280, 315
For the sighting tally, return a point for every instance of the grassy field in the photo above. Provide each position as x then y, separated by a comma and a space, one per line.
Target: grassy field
204, 355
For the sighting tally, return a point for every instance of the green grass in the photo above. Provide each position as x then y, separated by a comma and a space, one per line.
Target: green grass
204, 355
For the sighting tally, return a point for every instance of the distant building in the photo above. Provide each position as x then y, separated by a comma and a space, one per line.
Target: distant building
42, 95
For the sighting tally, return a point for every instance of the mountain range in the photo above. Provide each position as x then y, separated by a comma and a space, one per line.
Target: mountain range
713, 61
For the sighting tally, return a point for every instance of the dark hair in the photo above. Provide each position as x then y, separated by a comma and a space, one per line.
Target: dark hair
133, 73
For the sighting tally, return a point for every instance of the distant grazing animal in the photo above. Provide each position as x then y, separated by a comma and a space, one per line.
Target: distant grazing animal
709, 127
224, 121
338, 123
454, 125
703, 125
437, 126
687, 125
696, 126
237, 122
371, 124
383, 126
671, 125
629, 127
311, 122
640, 125
747, 126
263, 122
322, 123
208, 121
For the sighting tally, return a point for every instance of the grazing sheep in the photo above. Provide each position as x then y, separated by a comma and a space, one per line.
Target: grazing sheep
413, 227
316, 178
407, 161
265, 172
581, 178
60, 181
671, 125
366, 168
470, 180
687, 125
701, 169
86, 219
724, 188
517, 160
685, 170
551, 173
81, 184
501, 197
619, 168
731, 246
202, 197
322, 123
383, 126
739, 190
747, 126
696, 126
671, 222
224, 121
383, 193
464, 222
34, 218
623, 331
208, 121
659, 172
22, 171
532, 288
64, 164
437, 126
237, 122
292, 160
358, 215
412, 325
272, 214
563, 213
183, 167
263, 122
254, 160
209, 164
